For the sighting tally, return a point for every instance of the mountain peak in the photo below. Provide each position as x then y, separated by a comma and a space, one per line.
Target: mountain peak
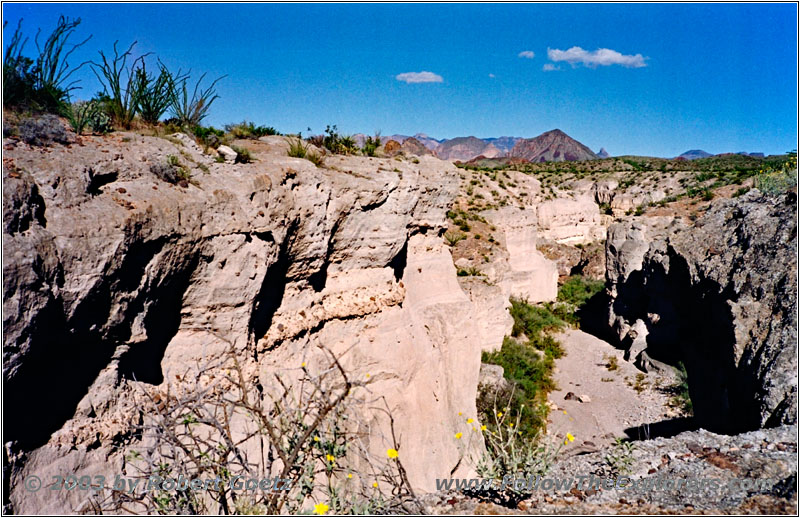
603, 153
693, 154
552, 146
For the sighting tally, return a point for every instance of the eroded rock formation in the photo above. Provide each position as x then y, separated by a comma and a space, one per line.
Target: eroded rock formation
721, 296
115, 279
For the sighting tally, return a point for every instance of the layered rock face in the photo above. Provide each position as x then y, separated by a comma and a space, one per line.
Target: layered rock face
721, 296
114, 279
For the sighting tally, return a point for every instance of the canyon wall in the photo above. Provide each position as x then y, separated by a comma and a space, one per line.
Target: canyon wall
116, 281
720, 296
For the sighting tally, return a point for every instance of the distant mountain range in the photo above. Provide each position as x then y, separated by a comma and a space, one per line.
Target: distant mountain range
694, 154
551, 146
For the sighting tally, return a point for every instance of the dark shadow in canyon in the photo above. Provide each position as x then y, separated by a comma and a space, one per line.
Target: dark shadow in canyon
666, 428
65, 356
270, 295
694, 325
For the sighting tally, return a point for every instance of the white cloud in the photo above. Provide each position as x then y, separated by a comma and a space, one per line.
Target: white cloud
549, 67
492, 76
419, 77
526, 54
602, 57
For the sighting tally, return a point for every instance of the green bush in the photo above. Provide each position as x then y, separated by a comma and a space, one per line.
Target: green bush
40, 84
336, 143
243, 155
371, 145
530, 373
248, 130
209, 136
532, 320
154, 94
577, 290
528, 366
80, 114
778, 178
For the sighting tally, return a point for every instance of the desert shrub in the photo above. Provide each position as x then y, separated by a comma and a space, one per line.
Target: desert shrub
304, 431
297, 148
452, 238
740, 191
509, 452
778, 178
80, 114
119, 80
472, 271
41, 83
620, 457
577, 290
532, 320
530, 374
171, 171
348, 144
190, 111
243, 155
248, 130
371, 144
43, 130
154, 93
315, 158
99, 122
336, 143
209, 136
680, 391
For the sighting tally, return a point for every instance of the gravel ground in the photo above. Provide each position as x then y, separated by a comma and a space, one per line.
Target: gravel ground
616, 400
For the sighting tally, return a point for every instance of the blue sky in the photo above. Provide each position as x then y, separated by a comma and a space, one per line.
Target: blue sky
674, 77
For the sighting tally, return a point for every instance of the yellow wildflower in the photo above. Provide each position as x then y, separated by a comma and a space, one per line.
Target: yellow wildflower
321, 508
330, 457
303, 364
499, 414
483, 427
349, 475
570, 437
458, 435
374, 484
391, 453
316, 438
470, 420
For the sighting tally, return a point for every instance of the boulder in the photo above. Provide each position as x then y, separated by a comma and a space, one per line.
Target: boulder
227, 153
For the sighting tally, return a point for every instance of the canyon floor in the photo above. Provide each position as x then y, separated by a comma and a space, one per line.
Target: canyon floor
598, 405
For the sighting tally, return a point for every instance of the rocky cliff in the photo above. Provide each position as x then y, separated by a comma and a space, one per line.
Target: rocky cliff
115, 280
719, 295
